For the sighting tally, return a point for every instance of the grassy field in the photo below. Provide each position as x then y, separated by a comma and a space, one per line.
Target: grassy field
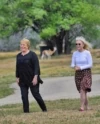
63, 111
59, 112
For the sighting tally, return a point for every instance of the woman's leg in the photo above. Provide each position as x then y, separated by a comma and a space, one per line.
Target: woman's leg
24, 95
82, 99
37, 96
86, 101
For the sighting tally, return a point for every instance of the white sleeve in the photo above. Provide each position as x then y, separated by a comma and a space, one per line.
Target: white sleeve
73, 61
89, 60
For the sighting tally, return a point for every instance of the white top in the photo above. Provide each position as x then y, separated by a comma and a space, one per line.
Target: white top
82, 59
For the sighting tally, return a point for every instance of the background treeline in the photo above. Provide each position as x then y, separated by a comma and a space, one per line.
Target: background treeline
57, 22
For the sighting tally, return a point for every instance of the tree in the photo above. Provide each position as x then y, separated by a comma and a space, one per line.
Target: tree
55, 20
63, 17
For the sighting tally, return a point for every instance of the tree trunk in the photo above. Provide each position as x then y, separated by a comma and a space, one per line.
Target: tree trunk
67, 43
59, 41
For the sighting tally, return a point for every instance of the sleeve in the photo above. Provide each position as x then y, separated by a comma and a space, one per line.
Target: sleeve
73, 61
17, 71
89, 62
35, 63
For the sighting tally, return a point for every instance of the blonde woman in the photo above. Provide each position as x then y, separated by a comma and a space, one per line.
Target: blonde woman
27, 75
82, 63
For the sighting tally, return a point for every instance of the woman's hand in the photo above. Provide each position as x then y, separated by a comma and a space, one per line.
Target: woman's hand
17, 80
77, 68
35, 81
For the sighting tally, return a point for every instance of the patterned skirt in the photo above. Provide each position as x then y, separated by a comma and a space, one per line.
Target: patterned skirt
83, 80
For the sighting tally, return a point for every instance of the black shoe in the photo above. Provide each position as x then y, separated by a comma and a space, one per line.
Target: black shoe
44, 110
26, 112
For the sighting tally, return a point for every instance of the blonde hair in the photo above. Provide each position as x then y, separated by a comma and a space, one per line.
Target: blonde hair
26, 41
87, 45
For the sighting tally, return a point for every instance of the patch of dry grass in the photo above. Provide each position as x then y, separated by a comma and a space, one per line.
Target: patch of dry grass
56, 67
59, 112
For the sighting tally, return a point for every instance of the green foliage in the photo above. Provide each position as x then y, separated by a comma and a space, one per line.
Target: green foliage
38, 13
50, 16
48, 32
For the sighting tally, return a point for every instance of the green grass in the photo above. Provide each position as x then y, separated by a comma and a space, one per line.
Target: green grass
64, 111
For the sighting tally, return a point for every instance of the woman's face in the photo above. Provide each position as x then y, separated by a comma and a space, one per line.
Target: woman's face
23, 47
79, 45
